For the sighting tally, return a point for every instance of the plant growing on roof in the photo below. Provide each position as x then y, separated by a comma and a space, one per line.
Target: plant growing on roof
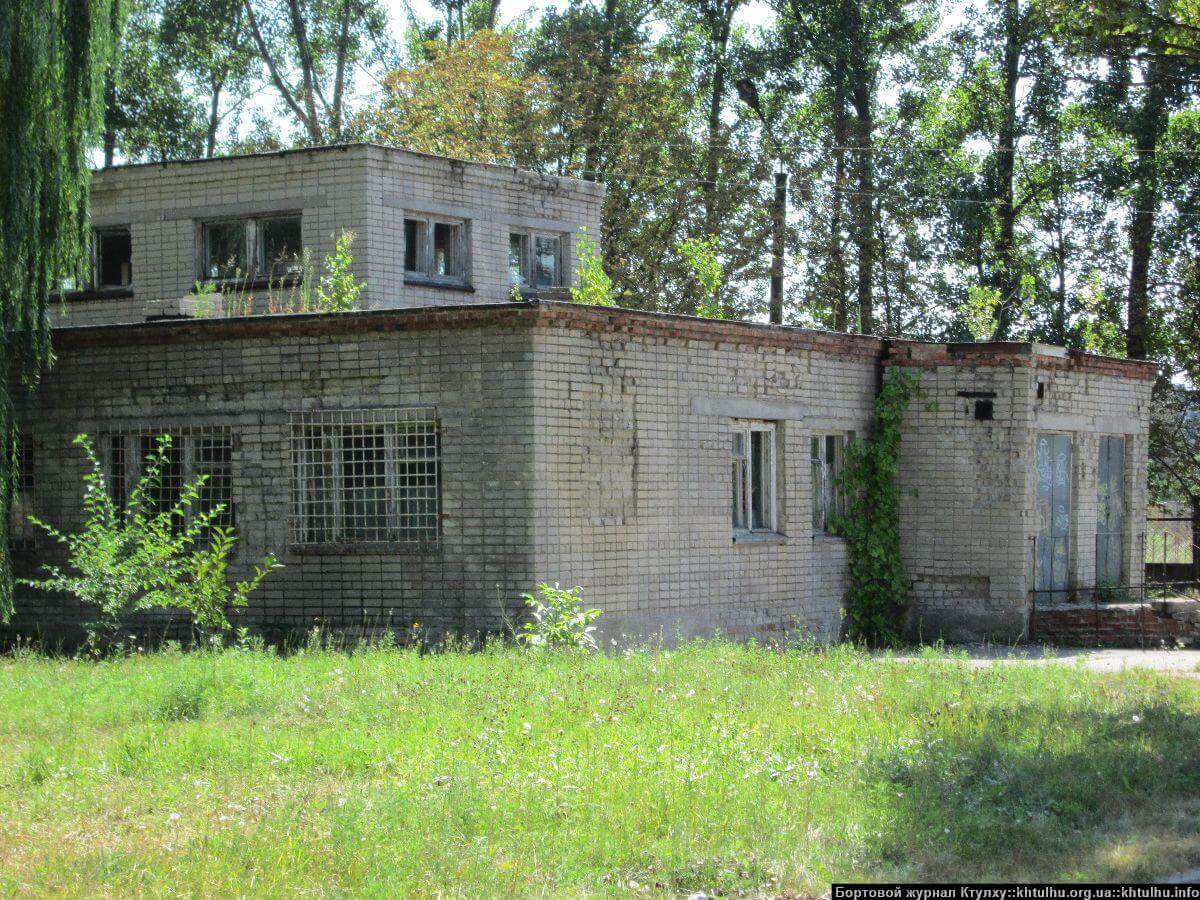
595, 285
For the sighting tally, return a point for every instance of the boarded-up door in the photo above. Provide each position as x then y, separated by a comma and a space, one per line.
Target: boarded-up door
1110, 524
1054, 513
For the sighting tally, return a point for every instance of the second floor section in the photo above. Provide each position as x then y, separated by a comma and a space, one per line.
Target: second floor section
428, 231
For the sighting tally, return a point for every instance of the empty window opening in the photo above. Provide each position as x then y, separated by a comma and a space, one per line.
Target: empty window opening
365, 476
754, 499
436, 249
985, 410
114, 258
109, 263
1041, 390
828, 459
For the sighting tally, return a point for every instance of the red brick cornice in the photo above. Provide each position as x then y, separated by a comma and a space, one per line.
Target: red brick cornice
610, 322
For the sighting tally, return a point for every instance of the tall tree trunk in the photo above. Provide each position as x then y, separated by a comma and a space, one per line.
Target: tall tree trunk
1149, 127
110, 89
778, 236
837, 253
864, 202
1007, 277
214, 120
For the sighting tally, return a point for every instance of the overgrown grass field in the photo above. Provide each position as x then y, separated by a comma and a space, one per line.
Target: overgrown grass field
712, 768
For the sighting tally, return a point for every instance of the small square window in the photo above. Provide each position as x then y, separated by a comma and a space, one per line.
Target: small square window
753, 487
436, 249
280, 246
114, 258
535, 260
225, 250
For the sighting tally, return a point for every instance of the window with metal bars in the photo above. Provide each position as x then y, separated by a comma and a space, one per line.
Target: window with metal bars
193, 452
366, 476
829, 496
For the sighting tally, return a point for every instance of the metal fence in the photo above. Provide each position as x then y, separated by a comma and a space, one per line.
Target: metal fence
1164, 557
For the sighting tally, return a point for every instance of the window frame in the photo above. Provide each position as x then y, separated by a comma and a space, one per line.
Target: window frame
90, 285
528, 261
330, 527
829, 499
254, 248
426, 251
742, 501
130, 461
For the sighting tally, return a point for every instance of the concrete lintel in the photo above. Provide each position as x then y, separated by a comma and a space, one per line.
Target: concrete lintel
745, 408
215, 211
1092, 424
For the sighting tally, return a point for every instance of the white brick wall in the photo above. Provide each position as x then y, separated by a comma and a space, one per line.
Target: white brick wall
363, 188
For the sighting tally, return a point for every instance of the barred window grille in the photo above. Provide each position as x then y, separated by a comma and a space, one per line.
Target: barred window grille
829, 497
193, 452
365, 476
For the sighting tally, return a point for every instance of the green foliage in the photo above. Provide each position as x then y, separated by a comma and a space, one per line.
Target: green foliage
201, 585
338, 290
871, 525
978, 311
53, 54
707, 271
142, 554
559, 621
714, 768
595, 287
123, 559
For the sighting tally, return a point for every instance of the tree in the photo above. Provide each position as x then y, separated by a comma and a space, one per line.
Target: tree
310, 49
847, 41
472, 100
53, 56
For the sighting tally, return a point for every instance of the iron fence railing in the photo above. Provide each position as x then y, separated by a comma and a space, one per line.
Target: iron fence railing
1144, 569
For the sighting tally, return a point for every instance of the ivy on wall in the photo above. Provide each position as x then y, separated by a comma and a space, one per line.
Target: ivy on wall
871, 524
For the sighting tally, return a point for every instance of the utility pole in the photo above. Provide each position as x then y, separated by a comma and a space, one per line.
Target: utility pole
748, 93
779, 232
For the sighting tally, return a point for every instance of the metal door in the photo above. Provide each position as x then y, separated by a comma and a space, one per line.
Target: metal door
1054, 514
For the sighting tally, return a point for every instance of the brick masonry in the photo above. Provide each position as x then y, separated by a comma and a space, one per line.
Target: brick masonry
581, 445
589, 447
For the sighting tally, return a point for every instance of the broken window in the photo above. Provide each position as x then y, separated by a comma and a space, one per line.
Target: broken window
252, 248
753, 457
109, 263
114, 257
828, 458
193, 452
535, 259
365, 476
436, 248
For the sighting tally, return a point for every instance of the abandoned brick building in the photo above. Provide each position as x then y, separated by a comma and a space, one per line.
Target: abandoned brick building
434, 455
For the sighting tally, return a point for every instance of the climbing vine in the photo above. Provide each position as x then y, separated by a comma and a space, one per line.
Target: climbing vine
871, 524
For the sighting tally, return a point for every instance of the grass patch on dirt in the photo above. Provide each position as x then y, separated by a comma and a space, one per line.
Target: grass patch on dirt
715, 767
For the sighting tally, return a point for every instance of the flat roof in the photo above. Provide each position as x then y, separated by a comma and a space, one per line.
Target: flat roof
598, 319
331, 148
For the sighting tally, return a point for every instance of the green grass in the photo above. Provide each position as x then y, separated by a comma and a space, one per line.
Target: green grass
715, 767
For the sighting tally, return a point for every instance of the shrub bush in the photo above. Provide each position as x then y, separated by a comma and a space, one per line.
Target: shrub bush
559, 620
